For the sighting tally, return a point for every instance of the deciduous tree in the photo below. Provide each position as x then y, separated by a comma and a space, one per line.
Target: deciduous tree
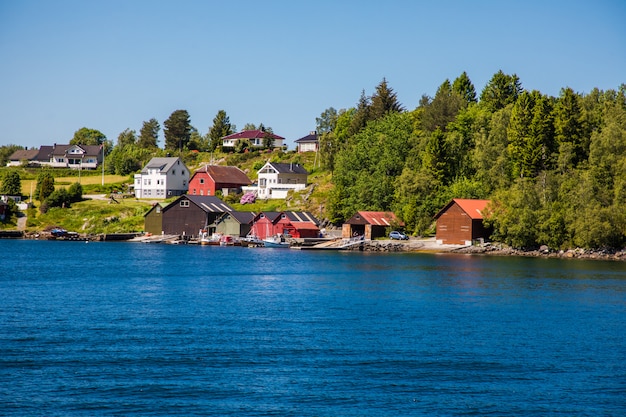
86, 136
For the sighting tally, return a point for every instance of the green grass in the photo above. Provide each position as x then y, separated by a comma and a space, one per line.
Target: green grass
94, 217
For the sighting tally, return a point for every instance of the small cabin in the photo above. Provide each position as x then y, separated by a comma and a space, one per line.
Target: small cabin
460, 222
370, 224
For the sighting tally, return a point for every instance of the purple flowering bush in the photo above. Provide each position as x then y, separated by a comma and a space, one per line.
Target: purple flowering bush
248, 198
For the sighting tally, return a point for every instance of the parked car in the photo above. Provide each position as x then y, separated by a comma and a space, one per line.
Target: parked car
398, 235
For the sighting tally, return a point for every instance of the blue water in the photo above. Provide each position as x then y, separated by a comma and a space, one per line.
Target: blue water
130, 329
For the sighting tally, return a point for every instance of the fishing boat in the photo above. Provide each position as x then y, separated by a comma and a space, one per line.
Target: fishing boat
276, 241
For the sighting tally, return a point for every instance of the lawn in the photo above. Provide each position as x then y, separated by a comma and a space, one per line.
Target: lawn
88, 182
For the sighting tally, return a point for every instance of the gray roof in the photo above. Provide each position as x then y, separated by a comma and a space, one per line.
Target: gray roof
162, 164
210, 204
289, 168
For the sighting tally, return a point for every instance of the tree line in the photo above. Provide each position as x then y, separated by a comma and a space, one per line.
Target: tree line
554, 168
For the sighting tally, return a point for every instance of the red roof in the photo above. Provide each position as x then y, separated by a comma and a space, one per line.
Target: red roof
304, 226
252, 134
473, 208
379, 218
223, 174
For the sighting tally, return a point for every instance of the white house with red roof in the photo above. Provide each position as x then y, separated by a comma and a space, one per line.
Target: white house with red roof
256, 138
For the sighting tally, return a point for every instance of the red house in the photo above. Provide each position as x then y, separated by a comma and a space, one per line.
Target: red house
461, 221
296, 224
212, 178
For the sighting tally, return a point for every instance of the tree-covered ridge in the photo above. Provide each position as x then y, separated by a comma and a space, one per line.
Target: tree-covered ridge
554, 167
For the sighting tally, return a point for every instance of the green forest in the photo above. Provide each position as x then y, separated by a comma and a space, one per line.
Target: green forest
554, 168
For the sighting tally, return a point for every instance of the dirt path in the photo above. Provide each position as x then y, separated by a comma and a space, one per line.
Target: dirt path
21, 222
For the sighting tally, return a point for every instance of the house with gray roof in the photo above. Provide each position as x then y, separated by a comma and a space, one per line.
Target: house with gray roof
275, 180
162, 178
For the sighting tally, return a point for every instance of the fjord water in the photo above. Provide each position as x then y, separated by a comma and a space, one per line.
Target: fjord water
129, 329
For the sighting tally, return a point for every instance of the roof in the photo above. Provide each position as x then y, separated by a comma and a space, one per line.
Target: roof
44, 153
288, 168
473, 208
208, 203
304, 226
301, 216
311, 137
243, 217
62, 149
377, 218
225, 174
22, 154
162, 164
252, 134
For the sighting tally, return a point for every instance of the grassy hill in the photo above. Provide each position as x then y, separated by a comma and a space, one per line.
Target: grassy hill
95, 216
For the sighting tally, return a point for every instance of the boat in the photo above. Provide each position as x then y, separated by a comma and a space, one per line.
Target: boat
276, 241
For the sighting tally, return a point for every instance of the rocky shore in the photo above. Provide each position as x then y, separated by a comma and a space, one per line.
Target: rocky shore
492, 249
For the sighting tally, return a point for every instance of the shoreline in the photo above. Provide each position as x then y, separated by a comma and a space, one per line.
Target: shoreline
427, 245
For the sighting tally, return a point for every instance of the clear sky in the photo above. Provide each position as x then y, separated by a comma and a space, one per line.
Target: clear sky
111, 65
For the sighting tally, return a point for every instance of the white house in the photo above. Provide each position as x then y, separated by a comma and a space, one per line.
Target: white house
276, 180
60, 156
256, 138
162, 178
308, 143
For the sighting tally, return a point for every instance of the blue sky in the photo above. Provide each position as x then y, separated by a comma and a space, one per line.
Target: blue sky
111, 65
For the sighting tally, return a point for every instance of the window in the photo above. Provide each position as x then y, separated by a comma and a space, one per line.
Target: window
173, 172
201, 180
184, 203
158, 209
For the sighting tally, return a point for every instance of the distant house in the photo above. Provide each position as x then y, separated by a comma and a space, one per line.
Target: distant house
21, 156
275, 180
296, 224
60, 156
234, 223
186, 216
461, 221
76, 156
256, 138
370, 224
308, 143
162, 178
211, 178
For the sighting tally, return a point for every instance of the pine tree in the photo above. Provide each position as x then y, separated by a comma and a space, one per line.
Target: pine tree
464, 87
177, 130
149, 134
384, 101
501, 91
221, 127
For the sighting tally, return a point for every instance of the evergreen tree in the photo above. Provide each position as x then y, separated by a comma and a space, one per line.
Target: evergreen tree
177, 130
464, 87
568, 126
221, 127
361, 115
149, 134
11, 184
384, 101
442, 109
500, 91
